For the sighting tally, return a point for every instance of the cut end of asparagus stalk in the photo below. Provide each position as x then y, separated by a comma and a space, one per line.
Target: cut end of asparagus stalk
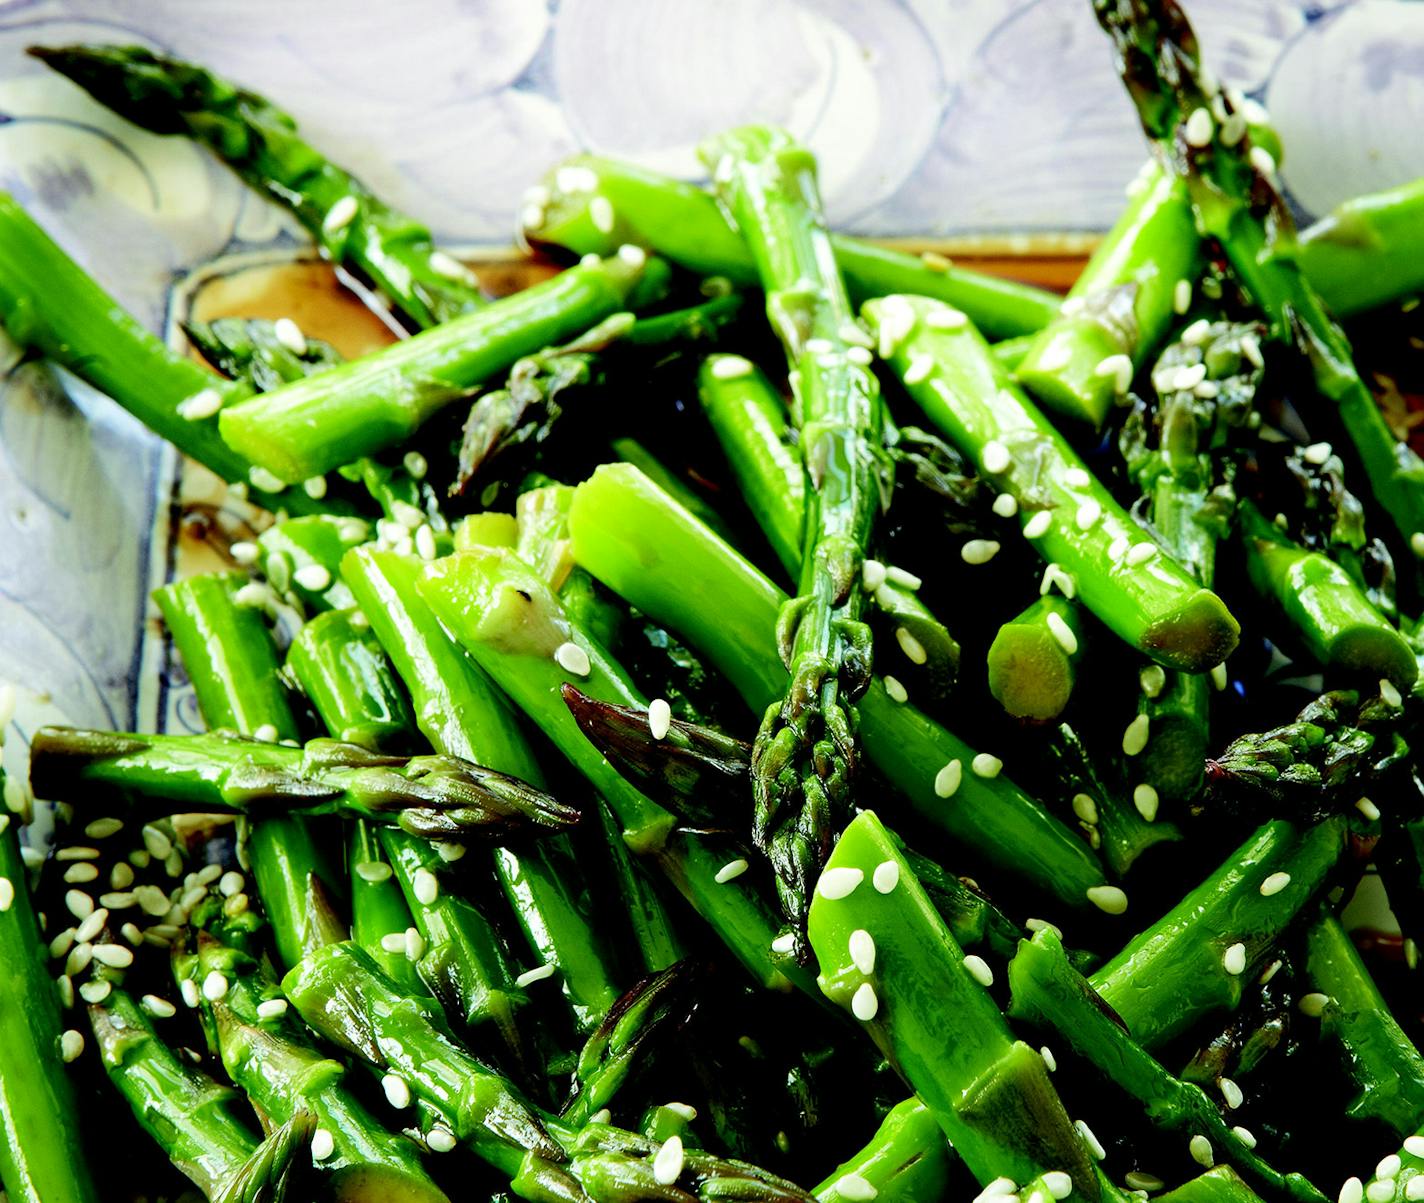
1030, 662
1196, 637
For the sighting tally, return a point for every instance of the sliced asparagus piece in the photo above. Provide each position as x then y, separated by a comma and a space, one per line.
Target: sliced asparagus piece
1033, 659
1367, 251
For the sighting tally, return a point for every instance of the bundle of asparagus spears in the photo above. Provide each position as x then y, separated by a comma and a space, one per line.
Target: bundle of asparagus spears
645, 763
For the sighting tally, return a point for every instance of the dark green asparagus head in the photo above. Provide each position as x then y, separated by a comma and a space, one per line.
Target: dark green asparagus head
274, 1170
249, 349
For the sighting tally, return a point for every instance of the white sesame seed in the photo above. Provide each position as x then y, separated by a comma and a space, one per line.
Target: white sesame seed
425, 542
1140, 553
1313, 1004
1316, 453
188, 989
947, 780
397, 1091
668, 1161
159, 1008
290, 335
425, 886
1353, 1191
1088, 514
730, 367
1109, 899
985, 765
115, 956
995, 457
201, 405
1182, 296
78, 960
979, 969
272, 1008
1218, 676
1275, 883
865, 1003
1262, 160
1062, 633
440, 1139
1037, 526
62, 943
1233, 960
872, 574
731, 871
1414, 1188
80, 904
393, 942
942, 317
267, 733
937, 263
839, 882
1134, 739
1085, 808
886, 876
253, 595
572, 659
819, 346
1145, 799
574, 177
537, 974
999, 1188
902, 578
1414, 1145
214, 986
1077, 478
71, 1045
1231, 1093
95, 991
1006, 505
1049, 1059
340, 215
920, 368
446, 265
157, 843
1389, 1166
659, 718
313, 577
323, 1144
862, 950
854, 1188
1199, 128
1200, 1149
1118, 368
1380, 1191
600, 212
784, 943
267, 481
895, 690
414, 944
914, 650
1152, 679
64, 987
1059, 1184
979, 551
7, 894
1389, 694
1095, 1146
1189, 377
860, 356
852, 332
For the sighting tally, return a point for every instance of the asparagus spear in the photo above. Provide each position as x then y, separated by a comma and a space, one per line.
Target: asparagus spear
1033, 659
235, 674
884, 955
1237, 200
907, 1161
438, 797
460, 710
341, 993
572, 211
637, 541
1048, 992
1368, 250
300, 557
1220, 1184
804, 757
261, 143
41, 1159
1374, 1051
1121, 575
306, 428
249, 350
1182, 966
1326, 609
1120, 305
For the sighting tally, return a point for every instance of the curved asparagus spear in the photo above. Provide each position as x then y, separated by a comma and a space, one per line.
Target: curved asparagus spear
41, 1158
804, 757
1143, 596
261, 143
1120, 305
907, 1160
1237, 200
438, 797
1367, 251
1033, 659
637, 541
233, 666
887, 958
310, 426
1326, 608
683, 223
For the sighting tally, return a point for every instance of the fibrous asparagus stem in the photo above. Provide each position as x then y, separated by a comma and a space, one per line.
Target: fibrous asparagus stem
257, 140
1120, 574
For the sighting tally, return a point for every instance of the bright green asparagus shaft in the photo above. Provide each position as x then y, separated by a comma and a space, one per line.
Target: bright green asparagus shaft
380, 917
1121, 575
886, 957
1368, 251
906, 1161
41, 1160
1033, 659
457, 706
804, 758
438, 797
1176, 971
1220, 1184
1329, 613
1237, 200
310, 426
233, 666
637, 541
301, 557
1375, 1052
683, 223
1119, 307
261, 143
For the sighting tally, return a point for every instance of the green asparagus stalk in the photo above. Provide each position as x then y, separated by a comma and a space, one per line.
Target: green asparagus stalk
1220, 1184
458, 708
1119, 307
1327, 610
643, 546
233, 666
49, 304
1374, 1051
887, 958
1121, 575
1367, 251
683, 223
300, 558
249, 350
1049, 993
907, 1161
1034, 657
804, 757
41, 1158
310, 426
630, 451
438, 797
380, 917
192, 1118
1183, 966
261, 144
341, 993
1237, 200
